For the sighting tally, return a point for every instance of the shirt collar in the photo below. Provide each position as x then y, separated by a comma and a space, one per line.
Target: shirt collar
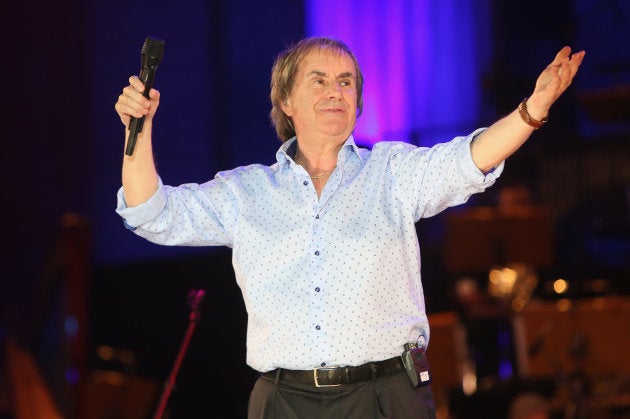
288, 149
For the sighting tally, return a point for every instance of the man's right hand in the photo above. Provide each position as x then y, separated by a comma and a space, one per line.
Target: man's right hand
133, 103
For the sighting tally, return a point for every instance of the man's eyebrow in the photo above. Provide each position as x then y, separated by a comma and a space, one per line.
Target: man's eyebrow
323, 74
345, 75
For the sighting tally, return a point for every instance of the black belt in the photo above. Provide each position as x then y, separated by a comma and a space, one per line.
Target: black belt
336, 376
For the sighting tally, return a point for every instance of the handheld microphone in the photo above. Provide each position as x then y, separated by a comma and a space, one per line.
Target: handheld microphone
151, 56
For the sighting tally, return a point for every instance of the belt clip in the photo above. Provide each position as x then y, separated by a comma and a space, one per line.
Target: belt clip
326, 368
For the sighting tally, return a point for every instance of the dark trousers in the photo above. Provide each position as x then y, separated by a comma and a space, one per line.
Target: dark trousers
390, 396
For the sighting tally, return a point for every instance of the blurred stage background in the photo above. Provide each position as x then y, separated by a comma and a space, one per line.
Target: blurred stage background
93, 317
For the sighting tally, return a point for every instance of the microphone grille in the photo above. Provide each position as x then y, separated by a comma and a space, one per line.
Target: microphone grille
154, 48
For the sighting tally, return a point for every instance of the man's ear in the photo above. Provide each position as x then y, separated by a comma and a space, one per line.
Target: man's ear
285, 106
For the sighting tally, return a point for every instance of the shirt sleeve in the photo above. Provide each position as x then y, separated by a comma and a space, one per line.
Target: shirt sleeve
469, 167
429, 180
185, 215
144, 212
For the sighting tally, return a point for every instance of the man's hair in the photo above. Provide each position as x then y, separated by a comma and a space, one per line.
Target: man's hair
283, 74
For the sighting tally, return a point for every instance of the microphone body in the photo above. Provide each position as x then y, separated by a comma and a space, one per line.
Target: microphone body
151, 56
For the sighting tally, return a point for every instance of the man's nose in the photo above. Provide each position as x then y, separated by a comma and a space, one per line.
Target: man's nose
334, 91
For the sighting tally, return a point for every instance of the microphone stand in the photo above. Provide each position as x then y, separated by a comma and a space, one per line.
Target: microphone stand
195, 297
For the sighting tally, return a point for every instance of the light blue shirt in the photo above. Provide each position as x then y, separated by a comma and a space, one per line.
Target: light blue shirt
334, 280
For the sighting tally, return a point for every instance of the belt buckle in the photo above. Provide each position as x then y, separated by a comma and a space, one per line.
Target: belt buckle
327, 368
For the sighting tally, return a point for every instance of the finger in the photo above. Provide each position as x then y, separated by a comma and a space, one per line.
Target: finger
124, 117
571, 65
126, 114
561, 56
129, 106
565, 64
131, 94
137, 83
577, 58
154, 94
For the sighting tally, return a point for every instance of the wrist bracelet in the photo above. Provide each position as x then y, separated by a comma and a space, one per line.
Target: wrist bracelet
522, 111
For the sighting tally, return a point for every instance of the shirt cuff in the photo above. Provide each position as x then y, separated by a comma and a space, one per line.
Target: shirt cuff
470, 168
141, 213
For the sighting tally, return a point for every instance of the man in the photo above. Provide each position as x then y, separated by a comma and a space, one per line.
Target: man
324, 241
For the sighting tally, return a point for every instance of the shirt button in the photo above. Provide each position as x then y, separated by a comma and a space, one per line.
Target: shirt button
305, 183
317, 327
316, 289
323, 364
317, 253
317, 217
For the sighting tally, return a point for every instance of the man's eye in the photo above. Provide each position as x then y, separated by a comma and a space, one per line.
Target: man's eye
345, 83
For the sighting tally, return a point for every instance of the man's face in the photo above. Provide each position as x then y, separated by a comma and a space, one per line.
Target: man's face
324, 98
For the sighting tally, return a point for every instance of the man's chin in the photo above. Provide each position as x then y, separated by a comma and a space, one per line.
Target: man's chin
335, 127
